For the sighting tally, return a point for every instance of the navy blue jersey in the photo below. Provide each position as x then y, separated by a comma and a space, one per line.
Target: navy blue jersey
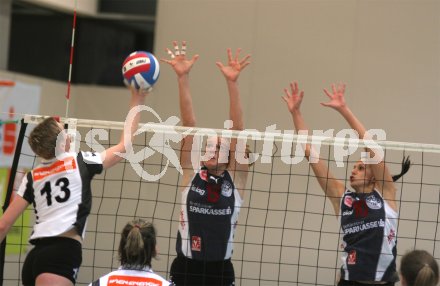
208, 217
369, 227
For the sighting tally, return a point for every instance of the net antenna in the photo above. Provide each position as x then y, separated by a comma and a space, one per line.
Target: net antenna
72, 46
5, 86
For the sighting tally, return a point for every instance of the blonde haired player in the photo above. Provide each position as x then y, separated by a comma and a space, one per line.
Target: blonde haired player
213, 194
59, 189
137, 248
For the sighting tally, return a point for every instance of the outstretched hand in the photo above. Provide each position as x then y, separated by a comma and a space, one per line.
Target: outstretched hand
337, 99
178, 61
293, 98
232, 70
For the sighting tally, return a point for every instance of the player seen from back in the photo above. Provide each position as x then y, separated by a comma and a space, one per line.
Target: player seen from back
137, 247
59, 189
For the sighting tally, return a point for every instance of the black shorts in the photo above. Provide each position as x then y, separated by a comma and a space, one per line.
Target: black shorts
343, 282
58, 255
185, 271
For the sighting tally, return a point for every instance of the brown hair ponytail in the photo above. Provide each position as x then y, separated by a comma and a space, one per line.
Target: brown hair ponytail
138, 244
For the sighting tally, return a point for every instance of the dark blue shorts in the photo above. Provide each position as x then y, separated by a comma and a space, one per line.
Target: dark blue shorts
57, 255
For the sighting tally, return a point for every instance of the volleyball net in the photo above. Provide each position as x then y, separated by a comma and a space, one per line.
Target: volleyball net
287, 232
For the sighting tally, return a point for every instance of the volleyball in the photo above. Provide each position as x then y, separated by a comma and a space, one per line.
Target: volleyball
140, 70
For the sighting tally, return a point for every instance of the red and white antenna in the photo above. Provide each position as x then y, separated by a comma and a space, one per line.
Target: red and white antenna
72, 46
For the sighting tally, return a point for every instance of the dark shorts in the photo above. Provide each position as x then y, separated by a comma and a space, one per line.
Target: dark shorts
57, 255
185, 271
354, 283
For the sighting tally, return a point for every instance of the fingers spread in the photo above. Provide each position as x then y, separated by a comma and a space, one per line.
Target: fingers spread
183, 49
195, 58
165, 61
170, 53
237, 54
244, 62
229, 54
219, 64
327, 93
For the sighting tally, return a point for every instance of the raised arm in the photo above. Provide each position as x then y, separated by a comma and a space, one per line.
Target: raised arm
231, 71
182, 66
333, 188
383, 178
110, 156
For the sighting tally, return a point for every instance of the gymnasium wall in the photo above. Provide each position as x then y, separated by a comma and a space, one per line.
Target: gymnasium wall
386, 52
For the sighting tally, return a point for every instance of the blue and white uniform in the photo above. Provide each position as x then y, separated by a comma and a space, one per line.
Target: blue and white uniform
208, 217
60, 191
368, 226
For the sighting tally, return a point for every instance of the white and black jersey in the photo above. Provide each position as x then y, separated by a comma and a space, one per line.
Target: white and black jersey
60, 192
208, 218
122, 277
368, 226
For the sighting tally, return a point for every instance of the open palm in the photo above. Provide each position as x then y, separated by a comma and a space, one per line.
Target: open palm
235, 65
337, 99
179, 61
293, 98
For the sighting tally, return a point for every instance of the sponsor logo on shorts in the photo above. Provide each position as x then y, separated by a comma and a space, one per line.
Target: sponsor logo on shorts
75, 273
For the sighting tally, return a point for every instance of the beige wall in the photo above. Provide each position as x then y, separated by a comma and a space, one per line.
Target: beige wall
387, 51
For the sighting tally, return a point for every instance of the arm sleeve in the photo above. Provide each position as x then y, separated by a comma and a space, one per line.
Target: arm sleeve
26, 189
93, 162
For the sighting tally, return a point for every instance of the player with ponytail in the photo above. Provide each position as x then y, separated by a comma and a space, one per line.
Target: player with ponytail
418, 268
137, 248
